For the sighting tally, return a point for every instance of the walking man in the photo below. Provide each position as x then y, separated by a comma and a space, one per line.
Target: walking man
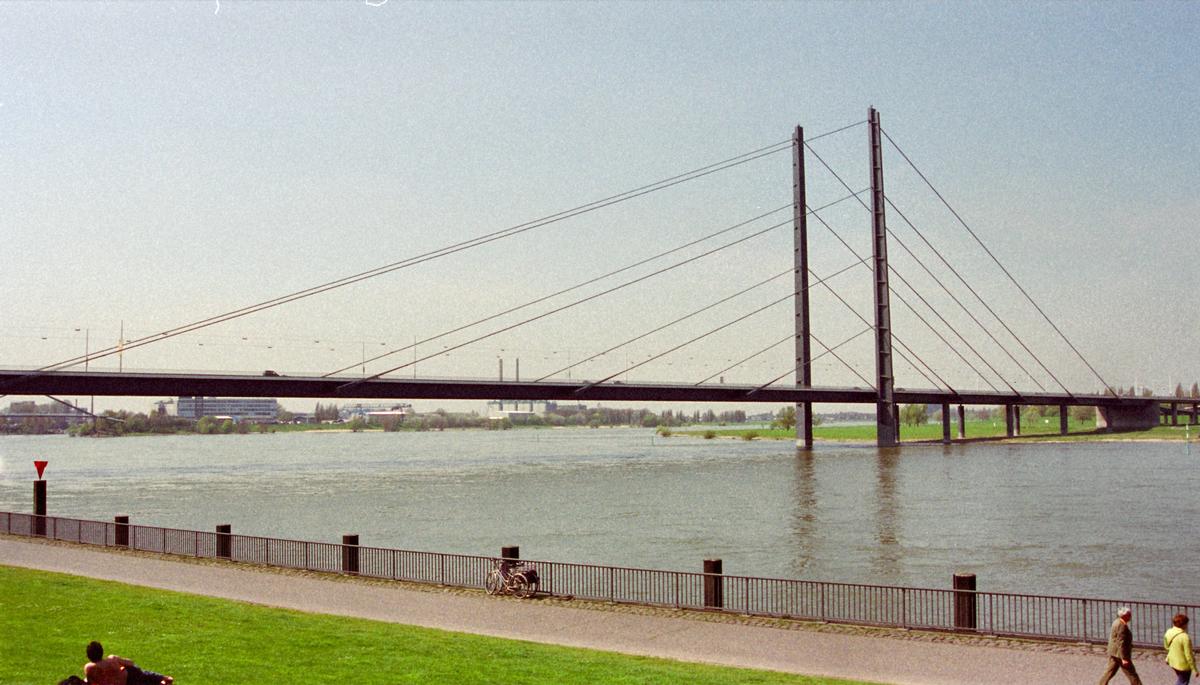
1120, 649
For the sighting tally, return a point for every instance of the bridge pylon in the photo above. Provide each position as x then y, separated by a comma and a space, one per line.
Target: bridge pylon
804, 422
886, 421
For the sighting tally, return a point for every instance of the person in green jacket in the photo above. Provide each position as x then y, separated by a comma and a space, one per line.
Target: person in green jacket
1179, 650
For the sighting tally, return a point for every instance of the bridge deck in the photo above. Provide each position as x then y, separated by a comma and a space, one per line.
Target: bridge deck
15, 382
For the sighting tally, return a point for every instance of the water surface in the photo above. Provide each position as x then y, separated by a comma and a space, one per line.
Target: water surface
1096, 519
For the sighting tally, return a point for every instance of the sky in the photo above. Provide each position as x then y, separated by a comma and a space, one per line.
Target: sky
162, 162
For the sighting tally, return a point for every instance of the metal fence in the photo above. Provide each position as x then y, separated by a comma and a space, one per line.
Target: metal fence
1075, 619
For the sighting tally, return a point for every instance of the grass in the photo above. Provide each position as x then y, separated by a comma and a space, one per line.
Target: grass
46, 619
1030, 430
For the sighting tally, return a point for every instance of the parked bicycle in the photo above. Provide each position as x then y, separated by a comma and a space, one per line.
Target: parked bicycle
509, 576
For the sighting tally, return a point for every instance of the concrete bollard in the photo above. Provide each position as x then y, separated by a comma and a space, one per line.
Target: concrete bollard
225, 541
121, 531
39, 507
350, 554
965, 609
714, 586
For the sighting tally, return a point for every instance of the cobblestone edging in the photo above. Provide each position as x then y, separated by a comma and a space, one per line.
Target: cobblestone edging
1048, 646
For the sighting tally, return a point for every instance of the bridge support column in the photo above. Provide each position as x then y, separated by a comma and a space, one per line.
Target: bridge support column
945, 423
887, 431
804, 434
1195, 413
1008, 420
1174, 414
962, 423
896, 421
1063, 416
1016, 420
1129, 415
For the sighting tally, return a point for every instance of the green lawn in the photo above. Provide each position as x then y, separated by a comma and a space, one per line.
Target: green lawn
1033, 430
46, 620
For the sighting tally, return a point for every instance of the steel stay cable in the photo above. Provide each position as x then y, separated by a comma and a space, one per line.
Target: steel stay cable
441, 252
900, 297
561, 292
895, 337
474, 242
665, 326
743, 361
570, 304
763, 308
571, 288
898, 341
955, 298
997, 261
941, 318
672, 323
828, 350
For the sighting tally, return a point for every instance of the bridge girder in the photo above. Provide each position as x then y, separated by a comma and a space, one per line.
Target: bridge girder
15, 382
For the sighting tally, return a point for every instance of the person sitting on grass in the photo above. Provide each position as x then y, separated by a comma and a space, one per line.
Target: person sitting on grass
115, 670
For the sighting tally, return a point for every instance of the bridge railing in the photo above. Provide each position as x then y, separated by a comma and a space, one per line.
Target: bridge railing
1062, 618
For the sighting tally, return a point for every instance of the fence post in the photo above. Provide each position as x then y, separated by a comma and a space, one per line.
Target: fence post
1085, 627
714, 595
350, 554
39, 507
121, 531
225, 541
965, 609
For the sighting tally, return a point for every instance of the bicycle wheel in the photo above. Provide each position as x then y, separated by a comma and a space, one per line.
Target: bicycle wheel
522, 587
494, 583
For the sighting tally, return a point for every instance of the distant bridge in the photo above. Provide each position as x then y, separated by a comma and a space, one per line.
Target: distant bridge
1114, 410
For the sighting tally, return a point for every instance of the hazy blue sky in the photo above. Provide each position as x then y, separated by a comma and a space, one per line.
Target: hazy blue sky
163, 162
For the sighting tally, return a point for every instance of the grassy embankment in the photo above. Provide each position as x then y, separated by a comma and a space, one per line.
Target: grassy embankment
1030, 431
47, 619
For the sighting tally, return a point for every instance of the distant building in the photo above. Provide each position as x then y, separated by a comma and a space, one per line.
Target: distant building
254, 409
377, 410
499, 409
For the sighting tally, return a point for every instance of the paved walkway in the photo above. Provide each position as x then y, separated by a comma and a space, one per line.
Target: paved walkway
862, 657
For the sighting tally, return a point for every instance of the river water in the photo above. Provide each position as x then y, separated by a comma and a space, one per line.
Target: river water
1093, 519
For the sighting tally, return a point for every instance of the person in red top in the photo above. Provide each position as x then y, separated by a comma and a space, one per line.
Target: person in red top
115, 670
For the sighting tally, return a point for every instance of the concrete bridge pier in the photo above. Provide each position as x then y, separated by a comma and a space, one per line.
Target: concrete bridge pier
1008, 420
962, 423
1063, 416
1129, 415
1017, 420
945, 423
1174, 414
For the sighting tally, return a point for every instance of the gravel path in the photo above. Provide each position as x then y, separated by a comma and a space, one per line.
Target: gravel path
884, 656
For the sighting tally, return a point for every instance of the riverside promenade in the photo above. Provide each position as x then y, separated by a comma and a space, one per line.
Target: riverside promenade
881, 656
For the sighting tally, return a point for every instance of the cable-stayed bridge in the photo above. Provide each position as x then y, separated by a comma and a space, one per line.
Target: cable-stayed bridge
1007, 366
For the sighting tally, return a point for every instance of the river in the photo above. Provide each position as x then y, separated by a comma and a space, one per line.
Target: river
1093, 519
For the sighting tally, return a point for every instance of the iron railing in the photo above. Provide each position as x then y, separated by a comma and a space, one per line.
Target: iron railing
1074, 619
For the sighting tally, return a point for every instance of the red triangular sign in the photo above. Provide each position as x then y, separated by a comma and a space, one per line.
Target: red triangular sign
41, 466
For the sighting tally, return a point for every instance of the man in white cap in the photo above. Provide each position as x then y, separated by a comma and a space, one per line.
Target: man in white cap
1120, 649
